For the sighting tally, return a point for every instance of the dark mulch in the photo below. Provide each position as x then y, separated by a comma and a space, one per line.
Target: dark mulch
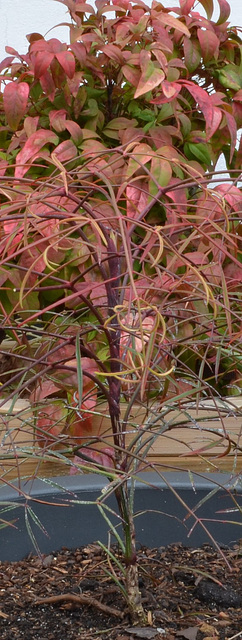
182, 602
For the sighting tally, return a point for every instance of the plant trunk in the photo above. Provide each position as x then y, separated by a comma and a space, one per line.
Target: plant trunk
133, 595
136, 611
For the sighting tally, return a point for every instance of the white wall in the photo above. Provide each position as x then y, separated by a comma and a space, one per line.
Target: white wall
19, 17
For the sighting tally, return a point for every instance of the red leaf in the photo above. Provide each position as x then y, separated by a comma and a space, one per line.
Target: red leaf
213, 119
51, 422
211, 114
67, 62
233, 275
209, 44
53, 45
48, 85
3, 166
80, 52
36, 141
137, 199
44, 389
224, 11
58, 73
231, 124
15, 99
42, 62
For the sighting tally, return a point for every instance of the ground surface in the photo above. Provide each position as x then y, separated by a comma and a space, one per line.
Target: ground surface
182, 602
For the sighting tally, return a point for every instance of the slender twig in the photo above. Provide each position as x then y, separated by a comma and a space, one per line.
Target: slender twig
89, 601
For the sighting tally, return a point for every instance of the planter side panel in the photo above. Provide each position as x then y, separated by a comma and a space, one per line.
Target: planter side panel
162, 518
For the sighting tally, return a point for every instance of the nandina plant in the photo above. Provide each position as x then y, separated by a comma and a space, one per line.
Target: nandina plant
116, 234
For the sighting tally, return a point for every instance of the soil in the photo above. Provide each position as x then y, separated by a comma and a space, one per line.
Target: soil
188, 593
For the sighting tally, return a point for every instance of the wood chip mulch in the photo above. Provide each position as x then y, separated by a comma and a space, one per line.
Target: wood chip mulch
189, 594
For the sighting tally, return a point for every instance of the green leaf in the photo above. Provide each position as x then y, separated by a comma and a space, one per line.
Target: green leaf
118, 124
199, 151
229, 78
161, 170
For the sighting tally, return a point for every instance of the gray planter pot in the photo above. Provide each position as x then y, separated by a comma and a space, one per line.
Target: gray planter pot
161, 520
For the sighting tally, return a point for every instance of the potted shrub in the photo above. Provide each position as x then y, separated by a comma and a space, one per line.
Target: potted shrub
120, 240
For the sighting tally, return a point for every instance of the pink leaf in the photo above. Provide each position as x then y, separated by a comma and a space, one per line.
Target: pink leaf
113, 52
30, 125
83, 7
12, 51
66, 151
104, 458
53, 45
170, 89
58, 119
169, 21
67, 62
6, 63
150, 77
141, 154
186, 6
15, 100
131, 74
75, 131
231, 194
195, 257
33, 145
